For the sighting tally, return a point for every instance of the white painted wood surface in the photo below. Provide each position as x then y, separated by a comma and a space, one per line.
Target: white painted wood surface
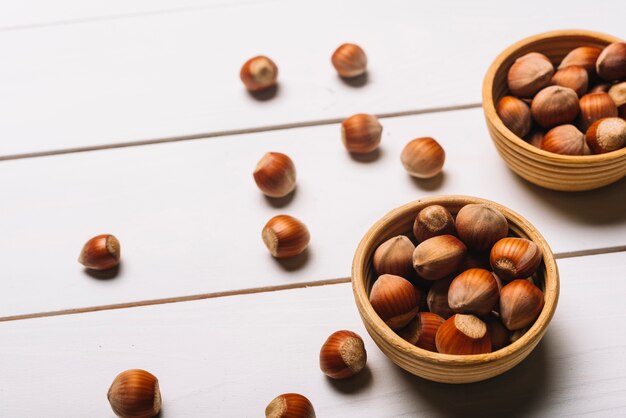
228, 357
189, 215
167, 75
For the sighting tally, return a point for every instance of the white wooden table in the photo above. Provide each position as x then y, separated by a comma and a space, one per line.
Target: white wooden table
128, 117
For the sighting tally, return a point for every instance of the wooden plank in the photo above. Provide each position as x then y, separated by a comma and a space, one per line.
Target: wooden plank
189, 215
164, 76
229, 357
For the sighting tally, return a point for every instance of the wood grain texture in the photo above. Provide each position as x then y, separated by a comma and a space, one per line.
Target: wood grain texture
189, 215
546, 169
229, 357
166, 76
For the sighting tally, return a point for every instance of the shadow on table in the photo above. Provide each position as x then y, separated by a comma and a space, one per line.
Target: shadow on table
354, 384
358, 81
108, 274
430, 184
265, 95
294, 263
370, 157
281, 202
517, 393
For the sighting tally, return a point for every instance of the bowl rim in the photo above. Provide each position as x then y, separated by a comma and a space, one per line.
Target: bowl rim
531, 336
489, 105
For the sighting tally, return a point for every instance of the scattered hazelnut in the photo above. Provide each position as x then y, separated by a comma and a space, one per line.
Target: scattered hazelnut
463, 335
515, 258
275, 174
135, 394
432, 221
422, 330
395, 256
480, 226
606, 135
439, 256
395, 300
554, 105
343, 355
575, 77
349, 60
258, 73
595, 106
521, 303
101, 252
475, 291
515, 114
290, 405
437, 298
585, 56
564, 139
423, 158
285, 236
611, 63
528, 75
361, 133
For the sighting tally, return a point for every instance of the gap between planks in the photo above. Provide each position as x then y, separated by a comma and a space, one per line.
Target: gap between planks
232, 132
253, 290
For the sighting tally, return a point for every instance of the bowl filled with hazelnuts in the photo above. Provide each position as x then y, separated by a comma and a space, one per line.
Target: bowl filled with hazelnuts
555, 106
455, 289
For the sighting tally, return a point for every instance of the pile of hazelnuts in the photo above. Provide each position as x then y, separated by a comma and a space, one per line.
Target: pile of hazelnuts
467, 287
577, 109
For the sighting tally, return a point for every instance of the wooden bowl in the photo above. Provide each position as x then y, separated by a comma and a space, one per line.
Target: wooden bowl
445, 367
546, 169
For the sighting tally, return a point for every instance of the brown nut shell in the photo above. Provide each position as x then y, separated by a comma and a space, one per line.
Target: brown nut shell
584, 56
475, 291
596, 106
463, 335
521, 303
259, 73
515, 114
285, 236
554, 105
135, 394
101, 252
432, 221
606, 135
290, 405
422, 330
479, 226
423, 157
395, 256
438, 257
275, 174
500, 336
528, 75
343, 355
515, 258
349, 60
535, 138
437, 298
575, 77
361, 133
611, 63
617, 92
395, 300
565, 140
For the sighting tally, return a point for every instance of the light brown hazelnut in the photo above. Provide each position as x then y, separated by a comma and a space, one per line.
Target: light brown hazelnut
343, 355
290, 405
515, 114
437, 298
275, 174
521, 303
554, 105
101, 252
259, 73
585, 56
463, 335
422, 330
395, 256
515, 258
575, 77
606, 135
395, 300
596, 106
475, 291
361, 133
349, 60
528, 75
438, 257
479, 226
285, 236
432, 221
565, 140
611, 63
135, 394
423, 157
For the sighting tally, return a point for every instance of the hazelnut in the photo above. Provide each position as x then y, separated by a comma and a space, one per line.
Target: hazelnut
423, 158
259, 73
606, 135
595, 106
535, 138
564, 139
463, 335
500, 336
515, 258
422, 330
575, 77
554, 105
101, 252
437, 298
432, 221
135, 394
361, 133
515, 114
395, 256
600, 88
617, 92
475, 291
521, 303
438, 257
611, 63
342, 355
395, 300
285, 236
479, 226
349, 60
528, 75
275, 175
585, 56
534, 55
290, 405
